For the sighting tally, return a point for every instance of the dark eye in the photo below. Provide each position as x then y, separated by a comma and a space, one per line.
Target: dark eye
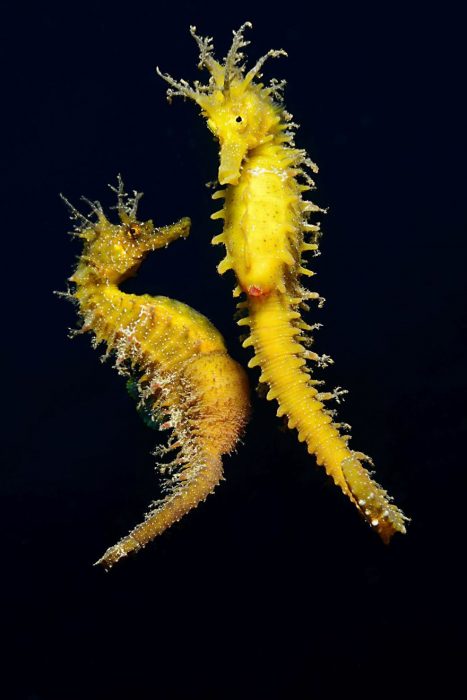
133, 231
238, 119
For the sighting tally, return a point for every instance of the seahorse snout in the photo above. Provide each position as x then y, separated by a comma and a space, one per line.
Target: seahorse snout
231, 158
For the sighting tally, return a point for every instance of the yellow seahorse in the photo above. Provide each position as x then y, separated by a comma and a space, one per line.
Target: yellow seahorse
265, 224
184, 373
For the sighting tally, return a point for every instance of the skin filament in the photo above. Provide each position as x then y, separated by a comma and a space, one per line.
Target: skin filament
184, 375
266, 232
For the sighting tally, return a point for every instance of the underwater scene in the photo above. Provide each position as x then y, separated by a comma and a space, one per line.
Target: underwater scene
241, 473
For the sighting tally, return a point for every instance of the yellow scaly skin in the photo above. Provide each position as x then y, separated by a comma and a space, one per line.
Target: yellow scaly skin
265, 222
183, 367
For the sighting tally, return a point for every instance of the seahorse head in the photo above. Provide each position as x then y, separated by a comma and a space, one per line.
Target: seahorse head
114, 251
240, 112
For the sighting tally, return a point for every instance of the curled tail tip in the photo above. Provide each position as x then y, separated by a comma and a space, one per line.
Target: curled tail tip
117, 552
108, 560
372, 501
386, 529
103, 563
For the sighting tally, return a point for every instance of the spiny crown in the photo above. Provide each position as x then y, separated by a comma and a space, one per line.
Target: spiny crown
240, 112
113, 252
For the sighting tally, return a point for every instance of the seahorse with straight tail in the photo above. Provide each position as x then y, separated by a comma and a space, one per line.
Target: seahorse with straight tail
183, 372
266, 232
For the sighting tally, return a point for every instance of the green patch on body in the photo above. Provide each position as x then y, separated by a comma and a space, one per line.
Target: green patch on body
144, 407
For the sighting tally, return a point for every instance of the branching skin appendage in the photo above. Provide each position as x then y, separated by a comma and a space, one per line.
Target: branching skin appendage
266, 231
182, 369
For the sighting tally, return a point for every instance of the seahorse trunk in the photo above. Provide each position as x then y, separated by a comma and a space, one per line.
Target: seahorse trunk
282, 359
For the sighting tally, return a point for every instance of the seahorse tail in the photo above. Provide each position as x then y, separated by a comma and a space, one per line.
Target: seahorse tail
210, 400
281, 357
275, 334
206, 474
372, 501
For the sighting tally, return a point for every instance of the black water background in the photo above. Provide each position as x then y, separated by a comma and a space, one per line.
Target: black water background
273, 587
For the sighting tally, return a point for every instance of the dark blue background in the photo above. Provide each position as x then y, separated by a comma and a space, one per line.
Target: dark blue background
273, 587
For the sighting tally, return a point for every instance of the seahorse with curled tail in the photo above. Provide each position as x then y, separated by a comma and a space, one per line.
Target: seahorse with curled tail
266, 232
183, 371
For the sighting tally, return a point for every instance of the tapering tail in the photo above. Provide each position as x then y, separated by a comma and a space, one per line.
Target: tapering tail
208, 407
275, 334
200, 480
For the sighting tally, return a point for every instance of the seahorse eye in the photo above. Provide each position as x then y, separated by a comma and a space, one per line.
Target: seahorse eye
134, 231
238, 119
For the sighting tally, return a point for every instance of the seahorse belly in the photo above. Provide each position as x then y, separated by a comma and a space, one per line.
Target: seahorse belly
262, 225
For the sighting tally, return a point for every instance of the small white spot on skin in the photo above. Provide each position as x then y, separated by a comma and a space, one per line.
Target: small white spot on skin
361, 502
282, 174
375, 523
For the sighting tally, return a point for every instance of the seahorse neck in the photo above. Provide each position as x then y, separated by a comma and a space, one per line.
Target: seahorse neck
96, 293
272, 151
